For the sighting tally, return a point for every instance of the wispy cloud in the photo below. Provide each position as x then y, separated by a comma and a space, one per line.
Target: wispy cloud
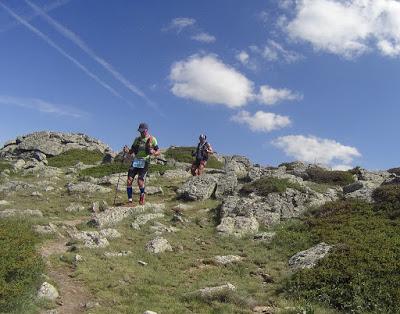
42, 106
67, 33
179, 24
62, 52
204, 38
50, 7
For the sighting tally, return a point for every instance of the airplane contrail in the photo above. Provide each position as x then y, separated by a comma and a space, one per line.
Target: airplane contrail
62, 52
47, 8
67, 33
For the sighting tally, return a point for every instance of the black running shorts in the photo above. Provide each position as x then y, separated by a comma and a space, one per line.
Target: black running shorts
142, 172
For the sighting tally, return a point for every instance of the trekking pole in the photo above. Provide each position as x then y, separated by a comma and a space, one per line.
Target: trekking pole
119, 177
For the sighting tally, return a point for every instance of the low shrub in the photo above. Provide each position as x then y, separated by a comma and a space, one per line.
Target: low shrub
335, 177
267, 185
184, 154
20, 264
361, 274
387, 199
4, 166
73, 156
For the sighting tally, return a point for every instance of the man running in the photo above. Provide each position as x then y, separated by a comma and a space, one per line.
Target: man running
144, 146
202, 152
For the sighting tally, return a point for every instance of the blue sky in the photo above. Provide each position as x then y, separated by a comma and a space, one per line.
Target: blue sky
273, 80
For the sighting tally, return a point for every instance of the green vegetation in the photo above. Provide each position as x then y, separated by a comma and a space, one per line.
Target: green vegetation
108, 169
337, 177
184, 154
181, 154
4, 166
361, 274
73, 156
267, 185
387, 198
20, 264
289, 165
104, 170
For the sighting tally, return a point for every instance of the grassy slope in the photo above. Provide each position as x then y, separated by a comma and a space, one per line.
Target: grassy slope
129, 287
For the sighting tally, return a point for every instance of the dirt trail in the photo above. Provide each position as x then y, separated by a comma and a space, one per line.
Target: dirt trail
73, 294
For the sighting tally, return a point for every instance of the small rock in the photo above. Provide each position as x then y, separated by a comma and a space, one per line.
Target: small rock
110, 233
49, 188
181, 207
142, 263
45, 229
36, 193
4, 202
227, 259
74, 207
117, 254
91, 305
149, 312
78, 258
211, 293
48, 292
310, 257
158, 245
264, 236
103, 206
238, 226
95, 207
264, 309
144, 218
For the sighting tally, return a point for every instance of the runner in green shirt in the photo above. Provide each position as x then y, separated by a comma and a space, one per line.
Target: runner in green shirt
143, 147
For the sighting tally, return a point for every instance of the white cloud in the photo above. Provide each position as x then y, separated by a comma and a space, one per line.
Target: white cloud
41, 106
262, 121
313, 149
243, 57
207, 79
180, 23
270, 96
204, 38
342, 167
274, 51
348, 28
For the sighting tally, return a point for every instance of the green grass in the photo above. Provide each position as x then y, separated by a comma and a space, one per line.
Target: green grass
73, 156
361, 274
184, 154
4, 166
108, 169
267, 185
20, 265
335, 177
387, 198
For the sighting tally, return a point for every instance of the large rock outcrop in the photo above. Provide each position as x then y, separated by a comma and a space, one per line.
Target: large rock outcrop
36, 144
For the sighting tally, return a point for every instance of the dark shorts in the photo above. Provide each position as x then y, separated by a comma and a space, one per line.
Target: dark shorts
142, 172
199, 162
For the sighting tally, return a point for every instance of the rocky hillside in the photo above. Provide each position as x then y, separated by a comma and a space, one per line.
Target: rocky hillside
242, 238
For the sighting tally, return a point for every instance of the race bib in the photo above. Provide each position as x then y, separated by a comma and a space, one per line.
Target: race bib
138, 163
